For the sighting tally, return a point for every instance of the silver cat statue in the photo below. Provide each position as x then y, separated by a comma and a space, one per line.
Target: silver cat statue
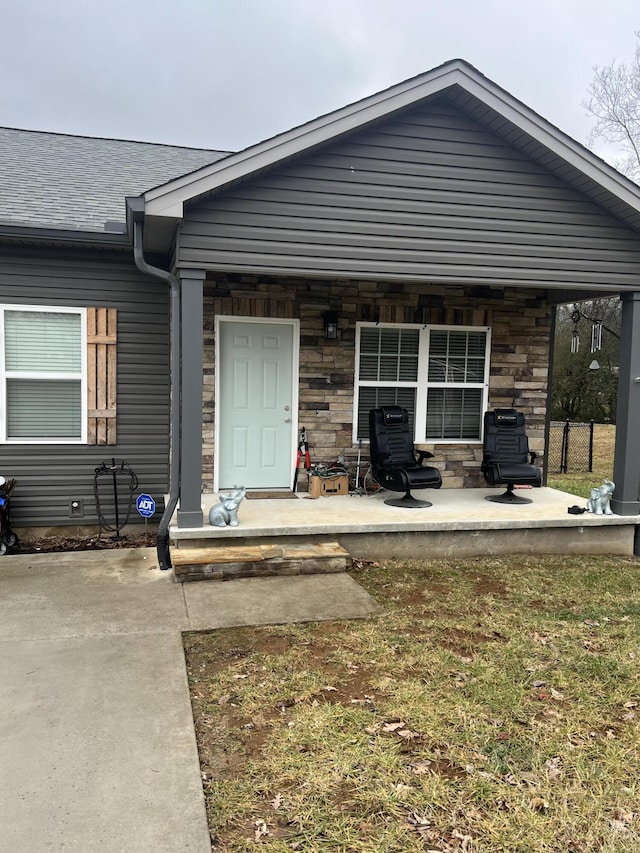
599, 502
225, 512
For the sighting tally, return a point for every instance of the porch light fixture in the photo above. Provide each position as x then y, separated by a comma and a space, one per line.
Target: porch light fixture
330, 325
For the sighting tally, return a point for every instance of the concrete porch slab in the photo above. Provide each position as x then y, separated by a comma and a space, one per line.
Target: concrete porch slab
460, 523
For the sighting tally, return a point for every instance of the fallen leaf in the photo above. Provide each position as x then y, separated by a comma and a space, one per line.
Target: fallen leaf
510, 779
592, 623
261, 829
393, 726
407, 734
539, 683
537, 638
554, 768
364, 828
238, 677
624, 815
465, 840
223, 700
276, 802
537, 804
421, 767
618, 826
422, 826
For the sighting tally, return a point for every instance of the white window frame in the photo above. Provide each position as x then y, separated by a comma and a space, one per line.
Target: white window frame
44, 375
422, 384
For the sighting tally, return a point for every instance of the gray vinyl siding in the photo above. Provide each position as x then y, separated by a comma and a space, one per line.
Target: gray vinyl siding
50, 475
429, 195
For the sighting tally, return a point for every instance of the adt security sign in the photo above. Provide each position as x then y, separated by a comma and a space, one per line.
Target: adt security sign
145, 505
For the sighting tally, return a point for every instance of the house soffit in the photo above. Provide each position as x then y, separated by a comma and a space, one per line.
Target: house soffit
468, 90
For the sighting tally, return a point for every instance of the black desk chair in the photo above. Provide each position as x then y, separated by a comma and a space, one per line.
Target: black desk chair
506, 459
395, 463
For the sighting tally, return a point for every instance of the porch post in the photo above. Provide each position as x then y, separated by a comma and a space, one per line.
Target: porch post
190, 506
626, 466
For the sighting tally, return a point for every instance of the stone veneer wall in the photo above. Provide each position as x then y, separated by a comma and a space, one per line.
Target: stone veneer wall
520, 322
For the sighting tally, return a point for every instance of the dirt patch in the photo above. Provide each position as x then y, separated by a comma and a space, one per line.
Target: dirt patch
466, 642
487, 585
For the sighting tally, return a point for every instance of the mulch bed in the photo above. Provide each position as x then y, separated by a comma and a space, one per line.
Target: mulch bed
56, 544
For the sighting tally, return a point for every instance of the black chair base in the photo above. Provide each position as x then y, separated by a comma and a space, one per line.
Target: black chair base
408, 502
508, 497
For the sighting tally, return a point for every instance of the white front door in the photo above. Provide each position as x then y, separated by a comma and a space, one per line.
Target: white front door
256, 404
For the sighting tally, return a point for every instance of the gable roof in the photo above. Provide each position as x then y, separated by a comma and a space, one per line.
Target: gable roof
58, 181
467, 89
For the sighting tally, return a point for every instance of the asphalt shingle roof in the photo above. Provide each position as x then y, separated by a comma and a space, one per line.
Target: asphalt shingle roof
51, 180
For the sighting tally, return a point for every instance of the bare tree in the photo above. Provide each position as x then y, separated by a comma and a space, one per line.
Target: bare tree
614, 101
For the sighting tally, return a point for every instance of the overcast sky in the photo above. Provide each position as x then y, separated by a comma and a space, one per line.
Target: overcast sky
227, 73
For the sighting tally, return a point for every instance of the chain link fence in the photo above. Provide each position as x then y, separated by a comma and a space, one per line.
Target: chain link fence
570, 447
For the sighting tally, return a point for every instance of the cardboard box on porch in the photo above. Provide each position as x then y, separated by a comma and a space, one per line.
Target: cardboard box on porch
328, 486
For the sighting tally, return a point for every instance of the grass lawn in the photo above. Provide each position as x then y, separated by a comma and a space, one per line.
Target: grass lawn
581, 482
493, 708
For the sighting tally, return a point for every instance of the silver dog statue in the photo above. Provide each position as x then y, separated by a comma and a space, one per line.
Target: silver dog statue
600, 500
225, 512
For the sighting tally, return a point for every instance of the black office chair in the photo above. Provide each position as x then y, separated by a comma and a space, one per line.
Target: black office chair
506, 459
395, 463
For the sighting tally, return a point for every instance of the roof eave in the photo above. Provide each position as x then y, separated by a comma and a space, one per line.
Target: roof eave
45, 235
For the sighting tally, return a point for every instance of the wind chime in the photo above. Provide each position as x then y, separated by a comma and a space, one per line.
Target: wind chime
596, 332
575, 335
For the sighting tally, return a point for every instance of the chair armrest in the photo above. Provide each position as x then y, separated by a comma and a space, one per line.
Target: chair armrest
533, 456
422, 455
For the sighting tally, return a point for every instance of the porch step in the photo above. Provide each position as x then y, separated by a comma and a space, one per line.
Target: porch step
223, 562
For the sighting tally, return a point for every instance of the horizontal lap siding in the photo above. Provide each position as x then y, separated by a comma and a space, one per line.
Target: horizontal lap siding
431, 195
51, 475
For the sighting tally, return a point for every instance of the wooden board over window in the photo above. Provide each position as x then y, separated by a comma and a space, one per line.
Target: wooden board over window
101, 375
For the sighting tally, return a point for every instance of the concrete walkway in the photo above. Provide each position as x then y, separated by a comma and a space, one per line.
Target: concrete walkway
97, 748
